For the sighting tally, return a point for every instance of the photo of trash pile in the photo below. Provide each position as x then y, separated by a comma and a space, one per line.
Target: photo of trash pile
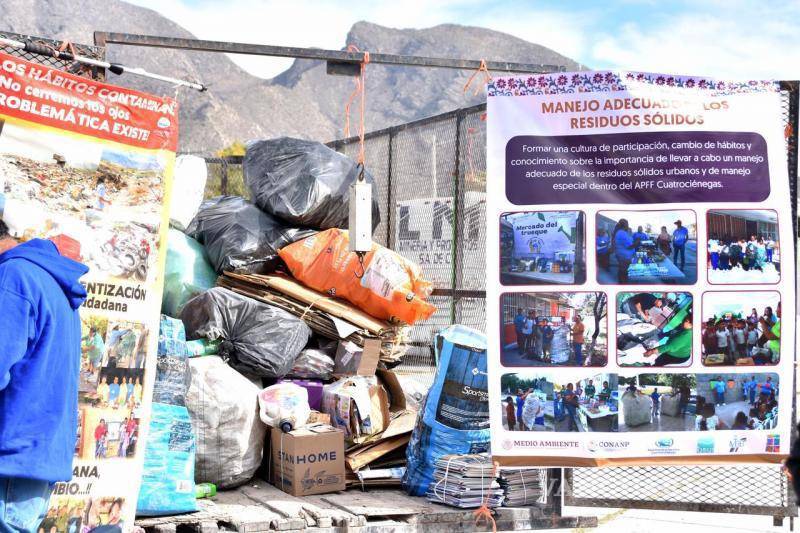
104, 214
62, 188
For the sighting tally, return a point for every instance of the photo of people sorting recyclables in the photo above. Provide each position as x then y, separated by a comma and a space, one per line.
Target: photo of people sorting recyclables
654, 247
654, 329
698, 402
533, 401
554, 329
741, 328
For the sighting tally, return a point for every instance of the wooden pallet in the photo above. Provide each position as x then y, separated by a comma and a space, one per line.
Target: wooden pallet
258, 507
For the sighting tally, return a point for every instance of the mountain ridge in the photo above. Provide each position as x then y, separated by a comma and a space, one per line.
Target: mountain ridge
303, 100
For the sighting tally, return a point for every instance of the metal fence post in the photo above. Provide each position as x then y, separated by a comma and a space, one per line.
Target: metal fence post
224, 178
390, 191
455, 222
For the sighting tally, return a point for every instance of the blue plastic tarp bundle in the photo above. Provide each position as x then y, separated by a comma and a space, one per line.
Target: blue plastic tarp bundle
168, 475
455, 416
172, 368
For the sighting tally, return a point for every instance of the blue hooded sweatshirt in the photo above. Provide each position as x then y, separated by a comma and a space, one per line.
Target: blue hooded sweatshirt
39, 361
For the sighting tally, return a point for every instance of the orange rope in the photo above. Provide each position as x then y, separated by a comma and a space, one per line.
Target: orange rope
360, 90
487, 77
484, 513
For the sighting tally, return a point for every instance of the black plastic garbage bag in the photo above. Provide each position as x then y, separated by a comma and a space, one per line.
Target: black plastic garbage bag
303, 182
257, 339
237, 235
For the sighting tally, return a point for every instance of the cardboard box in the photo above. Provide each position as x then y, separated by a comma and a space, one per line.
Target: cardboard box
359, 405
309, 460
353, 360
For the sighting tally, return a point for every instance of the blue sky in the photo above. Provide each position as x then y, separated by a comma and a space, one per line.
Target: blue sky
739, 39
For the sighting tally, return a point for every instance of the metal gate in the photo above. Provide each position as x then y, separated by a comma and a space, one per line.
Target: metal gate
431, 182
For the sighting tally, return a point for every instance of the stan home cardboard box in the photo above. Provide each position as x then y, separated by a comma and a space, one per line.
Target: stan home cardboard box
309, 460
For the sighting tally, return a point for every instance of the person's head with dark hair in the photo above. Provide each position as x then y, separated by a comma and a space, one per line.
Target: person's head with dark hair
709, 410
509, 399
7, 242
640, 229
115, 511
687, 322
740, 420
622, 224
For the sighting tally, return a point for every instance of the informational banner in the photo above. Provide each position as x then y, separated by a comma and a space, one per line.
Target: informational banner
673, 349
89, 166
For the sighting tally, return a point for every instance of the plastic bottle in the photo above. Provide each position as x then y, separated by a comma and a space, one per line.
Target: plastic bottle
205, 490
284, 406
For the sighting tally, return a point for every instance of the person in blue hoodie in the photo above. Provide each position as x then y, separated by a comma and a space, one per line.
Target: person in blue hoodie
40, 353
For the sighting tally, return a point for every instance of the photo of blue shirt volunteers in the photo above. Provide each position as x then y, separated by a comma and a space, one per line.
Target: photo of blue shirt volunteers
646, 247
743, 246
654, 329
554, 329
533, 401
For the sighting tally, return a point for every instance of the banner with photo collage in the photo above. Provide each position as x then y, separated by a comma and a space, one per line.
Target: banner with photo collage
89, 166
639, 254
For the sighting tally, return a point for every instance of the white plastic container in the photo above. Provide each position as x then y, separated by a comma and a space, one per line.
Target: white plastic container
284, 406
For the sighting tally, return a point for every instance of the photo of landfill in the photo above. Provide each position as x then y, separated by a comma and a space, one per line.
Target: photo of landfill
100, 205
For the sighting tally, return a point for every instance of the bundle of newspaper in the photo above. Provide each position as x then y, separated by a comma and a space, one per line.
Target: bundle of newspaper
523, 486
465, 481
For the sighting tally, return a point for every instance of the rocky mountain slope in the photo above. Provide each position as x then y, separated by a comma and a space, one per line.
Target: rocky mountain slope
302, 101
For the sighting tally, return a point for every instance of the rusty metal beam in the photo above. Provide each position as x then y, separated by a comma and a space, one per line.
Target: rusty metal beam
333, 56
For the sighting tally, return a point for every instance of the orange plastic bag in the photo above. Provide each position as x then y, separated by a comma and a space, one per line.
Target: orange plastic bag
391, 287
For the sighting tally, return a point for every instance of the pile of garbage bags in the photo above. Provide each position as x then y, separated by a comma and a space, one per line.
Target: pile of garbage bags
232, 347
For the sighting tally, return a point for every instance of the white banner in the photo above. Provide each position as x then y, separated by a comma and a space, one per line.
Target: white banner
674, 349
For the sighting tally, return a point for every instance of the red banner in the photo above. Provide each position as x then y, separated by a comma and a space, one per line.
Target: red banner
51, 97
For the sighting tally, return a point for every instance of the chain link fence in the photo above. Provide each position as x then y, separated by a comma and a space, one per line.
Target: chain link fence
80, 69
431, 185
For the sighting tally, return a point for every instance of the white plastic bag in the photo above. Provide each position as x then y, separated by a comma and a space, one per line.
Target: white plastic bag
188, 189
223, 405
